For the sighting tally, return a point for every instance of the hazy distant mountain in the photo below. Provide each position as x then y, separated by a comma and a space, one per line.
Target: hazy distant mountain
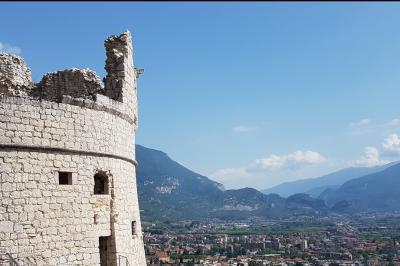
374, 192
168, 190
315, 186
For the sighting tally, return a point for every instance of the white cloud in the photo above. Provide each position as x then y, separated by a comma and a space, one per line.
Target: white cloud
230, 173
289, 161
4, 47
362, 122
394, 122
243, 129
390, 150
371, 157
391, 144
360, 127
272, 163
366, 126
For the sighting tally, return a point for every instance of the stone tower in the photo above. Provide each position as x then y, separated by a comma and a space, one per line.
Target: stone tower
67, 163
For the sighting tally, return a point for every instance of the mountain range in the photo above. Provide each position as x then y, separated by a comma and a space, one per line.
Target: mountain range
315, 186
374, 192
169, 191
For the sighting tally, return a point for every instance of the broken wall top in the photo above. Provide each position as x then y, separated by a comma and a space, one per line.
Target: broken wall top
15, 76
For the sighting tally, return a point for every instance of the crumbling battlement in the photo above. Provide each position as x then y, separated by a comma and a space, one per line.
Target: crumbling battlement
119, 84
73, 82
15, 76
118, 51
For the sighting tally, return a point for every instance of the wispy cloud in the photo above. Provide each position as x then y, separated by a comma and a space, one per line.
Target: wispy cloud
362, 122
287, 162
390, 151
371, 157
7, 48
391, 145
293, 160
360, 127
394, 122
244, 129
231, 173
367, 126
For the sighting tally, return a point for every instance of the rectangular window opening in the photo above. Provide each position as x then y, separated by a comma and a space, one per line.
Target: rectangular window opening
65, 178
133, 228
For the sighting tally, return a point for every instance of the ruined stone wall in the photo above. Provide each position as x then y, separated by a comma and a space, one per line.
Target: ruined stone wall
120, 82
72, 82
15, 76
41, 136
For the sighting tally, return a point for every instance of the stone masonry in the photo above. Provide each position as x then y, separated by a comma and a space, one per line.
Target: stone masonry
15, 76
67, 163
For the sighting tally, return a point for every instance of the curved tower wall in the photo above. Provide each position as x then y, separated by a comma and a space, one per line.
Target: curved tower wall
51, 149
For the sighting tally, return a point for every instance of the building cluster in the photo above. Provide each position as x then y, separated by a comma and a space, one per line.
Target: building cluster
216, 244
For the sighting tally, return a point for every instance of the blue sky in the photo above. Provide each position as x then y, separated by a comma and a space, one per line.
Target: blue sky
250, 94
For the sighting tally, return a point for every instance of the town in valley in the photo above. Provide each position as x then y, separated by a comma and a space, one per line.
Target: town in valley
363, 239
